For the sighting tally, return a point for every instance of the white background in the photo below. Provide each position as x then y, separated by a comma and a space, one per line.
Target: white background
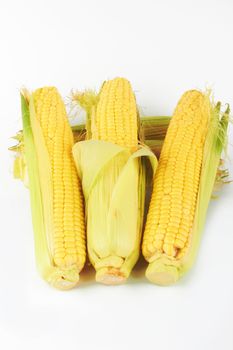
163, 48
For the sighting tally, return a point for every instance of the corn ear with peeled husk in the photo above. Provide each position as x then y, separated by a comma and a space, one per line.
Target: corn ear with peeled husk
183, 185
55, 190
112, 167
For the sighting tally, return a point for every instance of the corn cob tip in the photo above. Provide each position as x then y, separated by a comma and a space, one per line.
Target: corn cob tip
62, 278
160, 273
110, 276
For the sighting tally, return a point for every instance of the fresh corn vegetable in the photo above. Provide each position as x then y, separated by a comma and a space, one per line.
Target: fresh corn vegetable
112, 168
55, 189
182, 186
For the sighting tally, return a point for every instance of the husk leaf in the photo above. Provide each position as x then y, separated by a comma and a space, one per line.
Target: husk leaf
113, 182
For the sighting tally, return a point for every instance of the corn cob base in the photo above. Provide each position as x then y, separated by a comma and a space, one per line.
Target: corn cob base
162, 272
62, 278
110, 276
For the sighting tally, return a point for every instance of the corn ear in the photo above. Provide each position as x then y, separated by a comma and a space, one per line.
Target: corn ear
170, 257
112, 169
45, 192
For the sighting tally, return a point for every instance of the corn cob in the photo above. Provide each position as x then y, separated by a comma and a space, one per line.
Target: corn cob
55, 190
182, 186
112, 169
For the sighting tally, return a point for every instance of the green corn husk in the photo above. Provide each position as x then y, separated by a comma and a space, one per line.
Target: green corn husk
108, 172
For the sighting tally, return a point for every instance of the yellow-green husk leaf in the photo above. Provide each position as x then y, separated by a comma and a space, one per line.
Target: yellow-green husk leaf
113, 181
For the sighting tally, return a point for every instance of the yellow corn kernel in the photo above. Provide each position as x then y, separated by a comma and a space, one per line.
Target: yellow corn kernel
115, 119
